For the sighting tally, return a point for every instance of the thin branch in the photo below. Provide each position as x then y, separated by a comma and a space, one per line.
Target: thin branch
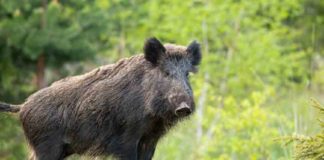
200, 108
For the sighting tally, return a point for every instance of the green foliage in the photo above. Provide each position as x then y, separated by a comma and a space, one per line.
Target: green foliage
309, 147
261, 60
63, 32
12, 138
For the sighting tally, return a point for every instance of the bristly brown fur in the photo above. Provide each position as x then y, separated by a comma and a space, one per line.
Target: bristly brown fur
120, 109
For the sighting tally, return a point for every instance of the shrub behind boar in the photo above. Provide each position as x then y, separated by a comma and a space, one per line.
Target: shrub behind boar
121, 109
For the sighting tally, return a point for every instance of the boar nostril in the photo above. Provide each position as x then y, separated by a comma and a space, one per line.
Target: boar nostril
183, 110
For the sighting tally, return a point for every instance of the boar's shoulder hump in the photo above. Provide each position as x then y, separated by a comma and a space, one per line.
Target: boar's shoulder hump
103, 72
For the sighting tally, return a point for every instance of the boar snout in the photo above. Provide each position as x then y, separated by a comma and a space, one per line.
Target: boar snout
183, 110
181, 106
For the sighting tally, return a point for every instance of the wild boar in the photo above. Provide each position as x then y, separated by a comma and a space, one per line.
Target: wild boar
119, 110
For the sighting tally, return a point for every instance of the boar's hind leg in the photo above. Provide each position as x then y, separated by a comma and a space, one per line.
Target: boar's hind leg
49, 150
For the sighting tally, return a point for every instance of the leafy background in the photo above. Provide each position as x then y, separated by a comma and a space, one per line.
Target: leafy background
262, 62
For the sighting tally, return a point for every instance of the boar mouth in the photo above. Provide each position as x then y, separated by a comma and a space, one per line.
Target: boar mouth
183, 110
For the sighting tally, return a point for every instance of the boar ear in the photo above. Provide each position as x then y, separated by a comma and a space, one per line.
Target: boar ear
153, 50
194, 52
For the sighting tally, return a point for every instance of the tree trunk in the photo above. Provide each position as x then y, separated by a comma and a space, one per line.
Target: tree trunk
121, 45
40, 74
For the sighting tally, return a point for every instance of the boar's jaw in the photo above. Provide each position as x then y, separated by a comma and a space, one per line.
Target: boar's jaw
183, 110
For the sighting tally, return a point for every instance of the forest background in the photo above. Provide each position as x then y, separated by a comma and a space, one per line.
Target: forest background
262, 62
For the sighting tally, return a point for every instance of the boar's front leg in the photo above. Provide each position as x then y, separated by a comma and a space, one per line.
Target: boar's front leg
128, 151
146, 148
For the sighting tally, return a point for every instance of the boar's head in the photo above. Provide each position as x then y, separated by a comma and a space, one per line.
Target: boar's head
170, 92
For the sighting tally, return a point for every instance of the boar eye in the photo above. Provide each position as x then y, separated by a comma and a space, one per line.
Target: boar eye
187, 74
167, 74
